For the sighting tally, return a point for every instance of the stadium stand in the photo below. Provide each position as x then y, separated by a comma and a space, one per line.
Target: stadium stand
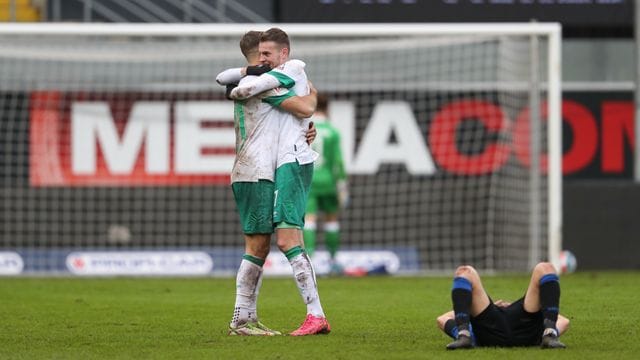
19, 11
159, 11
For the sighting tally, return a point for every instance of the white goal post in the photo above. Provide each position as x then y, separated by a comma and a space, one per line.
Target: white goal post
117, 144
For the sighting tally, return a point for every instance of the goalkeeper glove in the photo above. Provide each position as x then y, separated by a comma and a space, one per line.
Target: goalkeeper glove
258, 70
230, 88
343, 193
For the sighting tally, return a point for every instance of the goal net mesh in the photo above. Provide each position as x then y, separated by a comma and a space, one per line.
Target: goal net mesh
125, 143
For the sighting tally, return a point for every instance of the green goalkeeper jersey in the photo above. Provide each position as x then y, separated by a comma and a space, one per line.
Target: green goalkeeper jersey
329, 167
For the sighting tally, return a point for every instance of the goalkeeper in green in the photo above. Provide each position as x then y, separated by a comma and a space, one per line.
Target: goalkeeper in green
328, 188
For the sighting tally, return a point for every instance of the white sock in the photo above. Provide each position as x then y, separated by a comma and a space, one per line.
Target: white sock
305, 279
254, 307
248, 282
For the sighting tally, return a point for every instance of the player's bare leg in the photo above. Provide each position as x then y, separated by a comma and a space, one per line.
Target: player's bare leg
469, 299
245, 319
290, 243
543, 294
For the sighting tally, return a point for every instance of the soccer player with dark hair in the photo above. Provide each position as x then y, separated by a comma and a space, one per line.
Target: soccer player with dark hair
533, 320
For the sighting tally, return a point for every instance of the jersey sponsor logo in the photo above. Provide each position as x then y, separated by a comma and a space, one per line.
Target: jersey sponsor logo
11, 263
140, 263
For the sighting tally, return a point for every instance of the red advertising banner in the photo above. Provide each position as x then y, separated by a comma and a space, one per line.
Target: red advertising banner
128, 139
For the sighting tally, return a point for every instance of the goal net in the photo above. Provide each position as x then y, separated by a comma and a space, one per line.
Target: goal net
116, 145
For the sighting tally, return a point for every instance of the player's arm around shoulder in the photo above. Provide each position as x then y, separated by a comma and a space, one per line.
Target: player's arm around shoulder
302, 106
256, 86
234, 75
283, 76
293, 68
230, 76
289, 73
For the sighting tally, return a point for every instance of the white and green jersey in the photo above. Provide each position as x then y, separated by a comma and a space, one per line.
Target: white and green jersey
257, 129
292, 141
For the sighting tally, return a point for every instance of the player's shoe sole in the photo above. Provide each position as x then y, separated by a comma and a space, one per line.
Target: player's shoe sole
252, 329
462, 342
551, 342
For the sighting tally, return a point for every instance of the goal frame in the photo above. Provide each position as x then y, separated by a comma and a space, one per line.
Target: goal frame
553, 76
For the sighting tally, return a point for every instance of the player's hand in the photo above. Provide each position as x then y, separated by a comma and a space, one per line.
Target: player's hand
230, 88
257, 70
343, 193
311, 133
501, 303
240, 93
312, 89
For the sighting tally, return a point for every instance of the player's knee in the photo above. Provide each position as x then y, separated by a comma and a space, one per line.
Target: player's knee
258, 245
545, 268
283, 245
331, 226
441, 320
263, 252
310, 224
466, 271
331, 217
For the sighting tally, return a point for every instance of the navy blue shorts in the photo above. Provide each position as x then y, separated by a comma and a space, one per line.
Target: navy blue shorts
510, 326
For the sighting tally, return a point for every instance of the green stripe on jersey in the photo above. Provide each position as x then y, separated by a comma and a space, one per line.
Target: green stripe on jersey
277, 100
285, 81
238, 115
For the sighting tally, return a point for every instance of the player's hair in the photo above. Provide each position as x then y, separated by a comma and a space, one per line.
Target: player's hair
249, 43
322, 103
277, 36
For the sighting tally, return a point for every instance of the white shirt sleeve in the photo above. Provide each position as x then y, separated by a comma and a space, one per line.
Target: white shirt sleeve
294, 67
290, 69
229, 76
254, 87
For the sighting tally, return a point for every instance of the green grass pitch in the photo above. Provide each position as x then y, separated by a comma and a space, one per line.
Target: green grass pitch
372, 318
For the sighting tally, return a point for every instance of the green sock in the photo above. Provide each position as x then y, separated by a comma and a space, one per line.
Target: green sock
332, 239
309, 241
293, 252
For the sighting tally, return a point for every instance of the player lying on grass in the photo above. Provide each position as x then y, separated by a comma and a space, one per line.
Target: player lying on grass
530, 321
